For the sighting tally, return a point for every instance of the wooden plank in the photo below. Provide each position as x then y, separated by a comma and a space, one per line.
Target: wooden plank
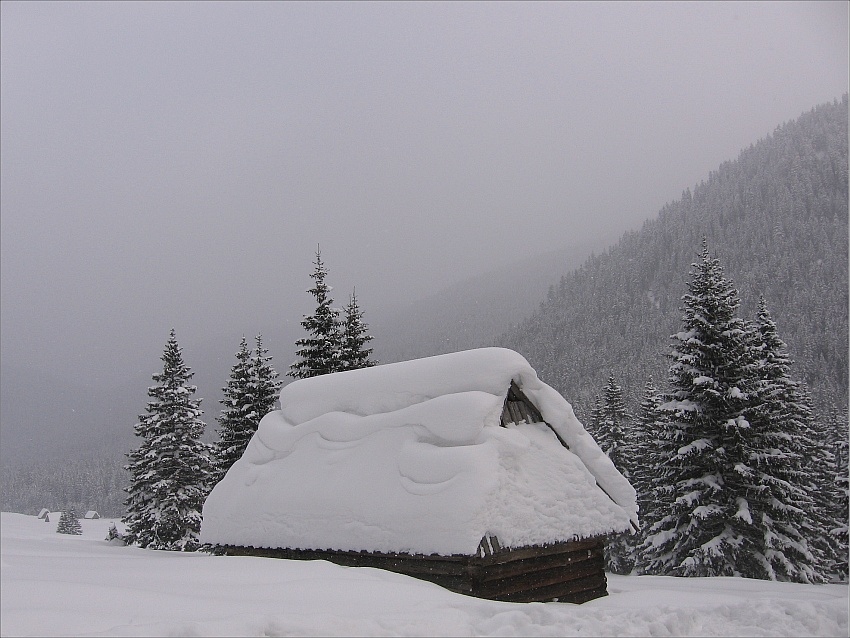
495, 542
510, 407
530, 581
510, 554
526, 565
519, 396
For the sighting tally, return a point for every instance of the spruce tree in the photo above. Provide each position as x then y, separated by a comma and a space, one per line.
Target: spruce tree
170, 471
842, 491
642, 451
594, 425
776, 487
353, 351
238, 420
69, 523
702, 439
612, 423
319, 352
820, 463
112, 534
266, 380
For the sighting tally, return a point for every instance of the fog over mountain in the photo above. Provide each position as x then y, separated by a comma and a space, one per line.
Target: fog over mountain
176, 165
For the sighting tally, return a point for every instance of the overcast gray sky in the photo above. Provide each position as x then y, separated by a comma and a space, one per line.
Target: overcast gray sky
176, 164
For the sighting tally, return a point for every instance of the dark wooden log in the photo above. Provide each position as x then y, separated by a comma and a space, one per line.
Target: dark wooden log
543, 574
494, 541
566, 561
508, 554
515, 394
531, 580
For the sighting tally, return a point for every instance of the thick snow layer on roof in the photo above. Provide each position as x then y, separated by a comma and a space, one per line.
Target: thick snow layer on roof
411, 457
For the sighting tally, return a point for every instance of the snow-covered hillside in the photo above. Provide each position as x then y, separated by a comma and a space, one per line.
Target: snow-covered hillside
55, 584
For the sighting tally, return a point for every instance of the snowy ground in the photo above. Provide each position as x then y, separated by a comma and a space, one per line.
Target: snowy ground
55, 584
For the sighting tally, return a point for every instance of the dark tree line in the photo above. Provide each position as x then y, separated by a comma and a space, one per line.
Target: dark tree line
82, 484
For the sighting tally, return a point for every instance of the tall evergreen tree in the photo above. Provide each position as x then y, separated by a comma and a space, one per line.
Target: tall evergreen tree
594, 425
642, 452
319, 352
266, 379
170, 471
839, 532
702, 442
250, 394
820, 465
237, 421
613, 423
353, 351
775, 488
69, 523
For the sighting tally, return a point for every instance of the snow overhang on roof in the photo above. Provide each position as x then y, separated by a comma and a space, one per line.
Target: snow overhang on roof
412, 457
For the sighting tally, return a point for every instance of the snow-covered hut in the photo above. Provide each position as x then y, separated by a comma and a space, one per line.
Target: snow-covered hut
463, 469
91, 515
44, 514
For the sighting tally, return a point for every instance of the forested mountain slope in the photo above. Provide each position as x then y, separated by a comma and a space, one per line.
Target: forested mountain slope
776, 218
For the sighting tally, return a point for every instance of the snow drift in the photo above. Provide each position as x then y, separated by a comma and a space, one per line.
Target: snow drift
411, 457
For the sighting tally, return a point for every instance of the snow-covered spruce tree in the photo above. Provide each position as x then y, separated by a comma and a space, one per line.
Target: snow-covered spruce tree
842, 489
643, 461
703, 440
69, 523
613, 423
319, 352
594, 424
250, 394
238, 420
775, 513
170, 471
266, 379
820, 466
353, 351
112, 534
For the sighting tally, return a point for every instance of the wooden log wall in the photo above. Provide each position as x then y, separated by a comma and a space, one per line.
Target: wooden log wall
567, 572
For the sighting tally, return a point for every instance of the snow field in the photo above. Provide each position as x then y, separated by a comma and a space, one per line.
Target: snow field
60, 585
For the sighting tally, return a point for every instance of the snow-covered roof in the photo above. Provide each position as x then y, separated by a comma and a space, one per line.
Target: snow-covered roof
411, 457
91, 514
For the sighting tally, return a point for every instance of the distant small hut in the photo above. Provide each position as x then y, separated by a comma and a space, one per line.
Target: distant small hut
462, 469
91, 515
44, 514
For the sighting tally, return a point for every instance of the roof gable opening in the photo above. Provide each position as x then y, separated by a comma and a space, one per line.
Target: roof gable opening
518, 408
